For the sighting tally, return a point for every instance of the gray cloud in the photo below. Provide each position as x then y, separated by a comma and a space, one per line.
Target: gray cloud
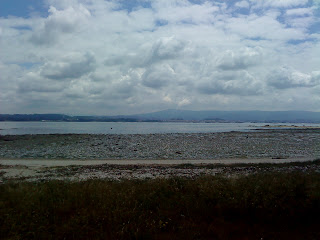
243, 59
74, 65
285, 77
234, 83
126, 86
158, 76
116, 60
34, 82
42, 86
167, 48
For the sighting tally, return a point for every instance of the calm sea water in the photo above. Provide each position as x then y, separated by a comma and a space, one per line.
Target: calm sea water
19, 128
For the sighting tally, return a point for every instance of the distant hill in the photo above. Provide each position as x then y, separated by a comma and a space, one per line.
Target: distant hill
33, 117
179, 115
63, 118
244, 116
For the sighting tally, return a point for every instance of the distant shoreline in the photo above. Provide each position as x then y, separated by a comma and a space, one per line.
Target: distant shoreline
176, 115
291, 126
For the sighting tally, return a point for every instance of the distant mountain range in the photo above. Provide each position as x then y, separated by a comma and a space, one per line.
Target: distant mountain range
179, 115
243, 116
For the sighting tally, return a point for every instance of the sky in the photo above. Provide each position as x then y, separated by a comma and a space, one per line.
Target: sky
110, 57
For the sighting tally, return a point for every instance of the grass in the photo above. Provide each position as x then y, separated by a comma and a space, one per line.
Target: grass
315, 162
261, 206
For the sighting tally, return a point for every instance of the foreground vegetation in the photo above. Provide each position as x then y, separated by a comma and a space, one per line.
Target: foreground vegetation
259, 206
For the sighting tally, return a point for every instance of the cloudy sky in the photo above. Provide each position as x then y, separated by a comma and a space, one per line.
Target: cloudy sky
107, 57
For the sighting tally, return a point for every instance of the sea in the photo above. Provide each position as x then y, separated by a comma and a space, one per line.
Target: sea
21, 128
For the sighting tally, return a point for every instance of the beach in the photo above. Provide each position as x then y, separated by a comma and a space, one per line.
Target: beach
262, 184
293, 143
85, 156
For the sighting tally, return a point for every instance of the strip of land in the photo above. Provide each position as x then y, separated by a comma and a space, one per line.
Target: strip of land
80, 170
61, 163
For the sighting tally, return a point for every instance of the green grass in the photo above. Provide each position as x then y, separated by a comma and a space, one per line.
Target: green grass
261, 206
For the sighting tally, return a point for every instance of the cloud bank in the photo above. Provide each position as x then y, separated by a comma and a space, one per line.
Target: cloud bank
109, 57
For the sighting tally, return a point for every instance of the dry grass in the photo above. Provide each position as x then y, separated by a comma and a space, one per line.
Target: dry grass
261, 206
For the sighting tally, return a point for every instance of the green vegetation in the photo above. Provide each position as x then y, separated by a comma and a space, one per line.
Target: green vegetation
260, 206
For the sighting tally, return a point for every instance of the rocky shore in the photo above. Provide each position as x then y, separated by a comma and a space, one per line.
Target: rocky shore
146, 171
293, 143
264, 144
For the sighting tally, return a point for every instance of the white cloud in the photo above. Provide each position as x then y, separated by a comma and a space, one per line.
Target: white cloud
242, 4
184, 11
279, 3
251, 27
65, 21
167, 98
302, 22
102, 57
299, 12
184, 102
61, 4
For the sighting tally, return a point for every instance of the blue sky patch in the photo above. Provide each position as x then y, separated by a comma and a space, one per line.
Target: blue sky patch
22, 8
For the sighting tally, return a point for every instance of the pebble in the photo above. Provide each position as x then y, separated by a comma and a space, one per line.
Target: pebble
261, 144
